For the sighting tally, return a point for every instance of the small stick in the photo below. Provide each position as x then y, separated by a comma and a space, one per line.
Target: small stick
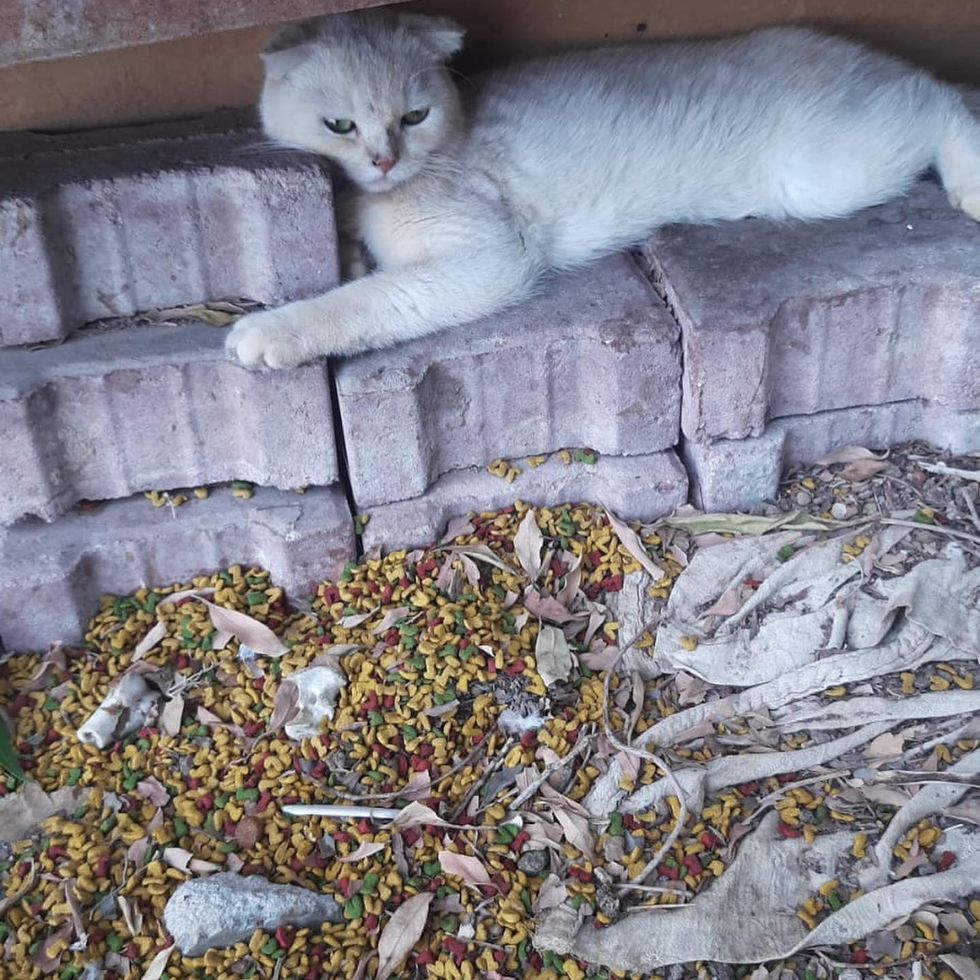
527, 793
971, 507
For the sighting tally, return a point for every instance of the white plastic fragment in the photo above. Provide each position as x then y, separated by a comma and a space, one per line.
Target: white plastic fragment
131, 704
317, 689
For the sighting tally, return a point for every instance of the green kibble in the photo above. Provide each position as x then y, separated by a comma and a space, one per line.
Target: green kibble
834, 901
269, 947
246, 794
115, 942
74, 775
180, 827
785, 553
431, 868
370, 884
354, 908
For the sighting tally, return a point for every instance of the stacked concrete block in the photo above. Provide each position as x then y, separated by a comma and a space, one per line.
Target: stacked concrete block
110, 225
98, 227
593, 360
800, 338
51, 575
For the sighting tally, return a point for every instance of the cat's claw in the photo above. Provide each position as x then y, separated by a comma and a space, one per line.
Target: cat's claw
269, 338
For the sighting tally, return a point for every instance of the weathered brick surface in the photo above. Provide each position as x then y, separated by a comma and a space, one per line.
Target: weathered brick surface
737, 474
51, 575
109, 224
593, 360
36, 30
111, 412
793, 319
634, 487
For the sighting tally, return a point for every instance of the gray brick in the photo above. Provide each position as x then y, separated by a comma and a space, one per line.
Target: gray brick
111, 412
739, 474
113, 223
790, 319
51, 575
593, 360
634, 487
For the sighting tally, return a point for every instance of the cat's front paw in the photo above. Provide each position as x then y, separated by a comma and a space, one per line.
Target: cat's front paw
273, 338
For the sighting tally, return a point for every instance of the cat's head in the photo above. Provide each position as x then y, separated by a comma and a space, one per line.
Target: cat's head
368, 90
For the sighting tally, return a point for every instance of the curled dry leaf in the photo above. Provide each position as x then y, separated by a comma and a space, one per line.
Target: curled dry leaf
42, 958
403, 931
849, 454
528, 545
390, 618
8, 901
158, 964
548, 608
470, 869
153, 790
131, 915
364, 850
632, 543
77, 921
551, 895
285, 706
171, 715
255, 635
415, 814
154, 635
20, 812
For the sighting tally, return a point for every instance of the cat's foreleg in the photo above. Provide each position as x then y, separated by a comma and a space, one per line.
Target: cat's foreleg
382, 309
958, 160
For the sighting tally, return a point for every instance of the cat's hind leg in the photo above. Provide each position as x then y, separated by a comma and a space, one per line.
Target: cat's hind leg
958, 160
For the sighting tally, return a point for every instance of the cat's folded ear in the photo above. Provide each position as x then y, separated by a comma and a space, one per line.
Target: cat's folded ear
441, 35
288, 48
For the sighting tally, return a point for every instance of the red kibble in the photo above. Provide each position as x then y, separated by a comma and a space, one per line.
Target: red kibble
517, 667
503, 885
708, 840
344, 886
290, 800
342, 837
263, 801
693, 866
388, 701
529, 740
630, 822
205, 803
500, 957
387, 592
364, 826
519, 841
454, 946
419, 764
477, 738
946, 861
258, 683
401, 765
425, 750
132, 951
101, 868
571, 736
57, 851
193, 782
668, 872
580, 874
183, 661
297, 865
748, 789
425, 958
785, 830
284, 937
859, 956
410, 835
371, 922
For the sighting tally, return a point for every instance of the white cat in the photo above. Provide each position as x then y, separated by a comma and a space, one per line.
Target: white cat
564, 158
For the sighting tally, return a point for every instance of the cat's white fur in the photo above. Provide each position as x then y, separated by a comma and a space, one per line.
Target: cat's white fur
564, 158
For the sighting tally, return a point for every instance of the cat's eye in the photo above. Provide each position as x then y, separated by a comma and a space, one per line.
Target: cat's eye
414, 117
340, 126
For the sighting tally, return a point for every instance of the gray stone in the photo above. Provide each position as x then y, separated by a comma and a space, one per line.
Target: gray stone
533, 862
52, 575
113, 223
738, 474
792, 319
112, 412
225, 908
592, 360
634, 487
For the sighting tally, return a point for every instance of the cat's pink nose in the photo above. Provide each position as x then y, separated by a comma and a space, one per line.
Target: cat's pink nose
384, 164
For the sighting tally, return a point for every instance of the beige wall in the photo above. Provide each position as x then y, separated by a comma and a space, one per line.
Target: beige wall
185, 77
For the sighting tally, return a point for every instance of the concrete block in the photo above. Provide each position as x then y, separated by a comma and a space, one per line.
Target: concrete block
111, 412
739, 474
51, 575
634, 487
37, 30
592, 360
791, 319
106, 225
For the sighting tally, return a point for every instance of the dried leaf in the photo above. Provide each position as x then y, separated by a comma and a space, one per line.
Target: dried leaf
53, 660
201, 867
206, 314
553, 892
632, 543
20, 812
480, 552
887, 746
470, 869
415, 814
171, 715
599, 659
403, 931
849, 454
8, 901
153, 790
744, 524
364, 850
45, 963
863, 469
964, 967
457, 528
576, 830
285, 706
349, 622
548, 608
528, 544
159, 963
77, 921
255, 635
552, 656
131, 915
155, 634
390, 618
177, 857
9, 760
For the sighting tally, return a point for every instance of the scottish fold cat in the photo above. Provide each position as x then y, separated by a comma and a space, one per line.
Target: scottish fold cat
463, 202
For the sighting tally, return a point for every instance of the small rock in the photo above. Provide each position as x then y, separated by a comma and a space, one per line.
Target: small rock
870, 509
533, 862
838, 511
226, 908
804, 498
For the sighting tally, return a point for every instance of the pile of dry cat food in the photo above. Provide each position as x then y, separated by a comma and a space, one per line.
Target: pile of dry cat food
457, 714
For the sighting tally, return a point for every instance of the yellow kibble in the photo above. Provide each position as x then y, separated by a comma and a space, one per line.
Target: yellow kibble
836, 692
842, 817
809, 834
689, 643
827, 887
859, 846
